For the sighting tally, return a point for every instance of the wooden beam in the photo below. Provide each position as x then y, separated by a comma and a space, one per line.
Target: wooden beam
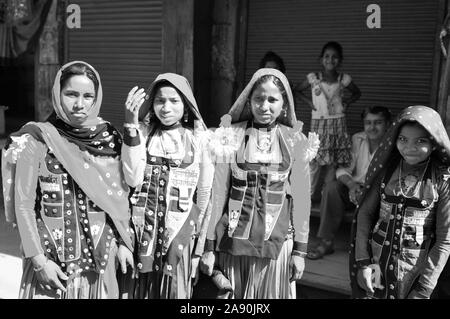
46, 65
223, 57
178, 38
443, 107
437, 59
241, 50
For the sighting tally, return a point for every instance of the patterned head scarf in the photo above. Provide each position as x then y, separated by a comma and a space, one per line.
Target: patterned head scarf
430, 120
240, 111
182, 85
90, 154
388, 154
92, 118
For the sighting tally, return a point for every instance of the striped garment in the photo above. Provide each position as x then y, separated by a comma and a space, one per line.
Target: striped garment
335, 143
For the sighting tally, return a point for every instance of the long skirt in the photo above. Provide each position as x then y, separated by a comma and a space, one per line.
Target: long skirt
84, 285
159, 285
259, 278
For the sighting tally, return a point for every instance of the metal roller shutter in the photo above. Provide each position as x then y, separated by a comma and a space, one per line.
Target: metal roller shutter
392, 66
122, 40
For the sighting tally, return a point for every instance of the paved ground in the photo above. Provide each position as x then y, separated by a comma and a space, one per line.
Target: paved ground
10, 262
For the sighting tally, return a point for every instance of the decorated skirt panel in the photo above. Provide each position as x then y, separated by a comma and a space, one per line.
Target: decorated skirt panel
164, 213
401, 240
257, 218
74, 232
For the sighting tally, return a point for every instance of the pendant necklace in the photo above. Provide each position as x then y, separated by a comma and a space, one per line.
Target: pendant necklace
264, 141
170, 147
402, 181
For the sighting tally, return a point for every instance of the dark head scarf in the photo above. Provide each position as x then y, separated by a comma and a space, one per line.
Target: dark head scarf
89, 153
181, 84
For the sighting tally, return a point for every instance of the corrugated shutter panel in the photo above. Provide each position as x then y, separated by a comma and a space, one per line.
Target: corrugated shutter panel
122, 40
392, 66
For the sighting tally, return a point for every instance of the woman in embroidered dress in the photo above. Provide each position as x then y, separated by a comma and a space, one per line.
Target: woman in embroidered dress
165, 160
63, 187
260, 203
401, 230
328, 107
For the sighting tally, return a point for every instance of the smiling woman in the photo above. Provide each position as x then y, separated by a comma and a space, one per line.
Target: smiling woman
260, 206
402, 224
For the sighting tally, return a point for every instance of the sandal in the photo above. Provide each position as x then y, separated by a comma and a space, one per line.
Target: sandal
324, 248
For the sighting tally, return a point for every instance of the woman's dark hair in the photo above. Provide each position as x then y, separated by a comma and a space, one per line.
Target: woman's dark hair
335, 46
272, 56
186, 103
78, 69
276, 81
376, 109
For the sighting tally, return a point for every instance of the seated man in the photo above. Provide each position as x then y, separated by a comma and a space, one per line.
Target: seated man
341, 194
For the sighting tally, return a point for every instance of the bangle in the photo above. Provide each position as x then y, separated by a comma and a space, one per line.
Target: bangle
38, 269
298, 253
131, 125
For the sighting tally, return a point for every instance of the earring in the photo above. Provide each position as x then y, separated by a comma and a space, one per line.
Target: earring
185, 116
285, 112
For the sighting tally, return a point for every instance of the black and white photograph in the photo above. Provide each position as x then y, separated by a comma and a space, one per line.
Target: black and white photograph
225, 154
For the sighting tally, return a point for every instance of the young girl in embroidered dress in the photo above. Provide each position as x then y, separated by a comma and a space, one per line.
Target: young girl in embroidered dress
328, 115
165, 159
260, 205
401, 235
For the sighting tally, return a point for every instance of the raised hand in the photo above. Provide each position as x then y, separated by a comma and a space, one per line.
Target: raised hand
135, 99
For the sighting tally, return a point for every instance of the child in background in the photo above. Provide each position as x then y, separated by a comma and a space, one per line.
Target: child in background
328, 115
272, 60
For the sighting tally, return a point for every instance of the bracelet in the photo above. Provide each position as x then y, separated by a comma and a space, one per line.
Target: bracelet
41, 267
131, 125
298, 253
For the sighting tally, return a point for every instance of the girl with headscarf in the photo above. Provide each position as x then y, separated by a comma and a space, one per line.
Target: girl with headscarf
401, 230
165, 159
64, 188
259, 226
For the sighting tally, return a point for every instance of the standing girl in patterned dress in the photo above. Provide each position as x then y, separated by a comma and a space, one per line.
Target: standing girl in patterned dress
260, 203
328, 115
401, 230
165, 160
63, 187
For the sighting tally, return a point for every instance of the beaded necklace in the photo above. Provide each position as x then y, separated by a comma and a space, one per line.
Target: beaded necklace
402, 181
